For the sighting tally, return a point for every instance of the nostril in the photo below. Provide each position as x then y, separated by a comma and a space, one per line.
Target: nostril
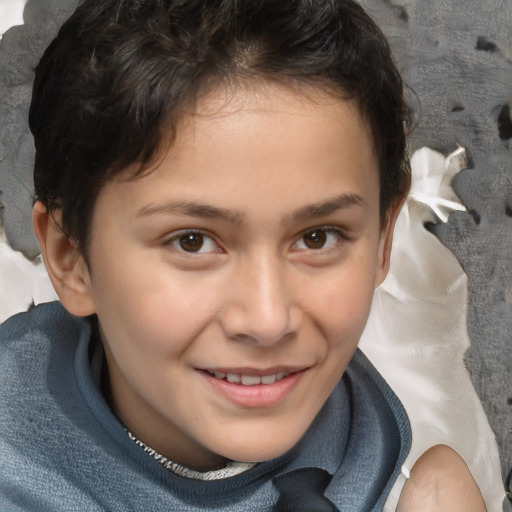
260, 326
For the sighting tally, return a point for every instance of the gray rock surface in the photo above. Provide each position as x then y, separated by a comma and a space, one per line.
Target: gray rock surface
457, 58
21, 48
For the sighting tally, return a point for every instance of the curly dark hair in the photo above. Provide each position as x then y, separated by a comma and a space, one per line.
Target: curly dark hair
110, 87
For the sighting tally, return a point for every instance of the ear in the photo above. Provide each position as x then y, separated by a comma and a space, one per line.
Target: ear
386, 242
66, 268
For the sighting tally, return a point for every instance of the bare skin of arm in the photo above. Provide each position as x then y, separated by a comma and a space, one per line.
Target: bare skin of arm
441, 482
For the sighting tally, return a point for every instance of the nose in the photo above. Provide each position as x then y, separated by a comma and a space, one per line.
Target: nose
260, 306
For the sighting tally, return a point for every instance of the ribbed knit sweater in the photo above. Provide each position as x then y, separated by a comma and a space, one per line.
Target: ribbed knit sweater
62, 448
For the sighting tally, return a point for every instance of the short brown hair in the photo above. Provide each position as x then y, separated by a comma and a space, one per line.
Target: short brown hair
116, 75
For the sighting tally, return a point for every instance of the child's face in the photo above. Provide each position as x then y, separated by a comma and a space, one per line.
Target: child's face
252, 249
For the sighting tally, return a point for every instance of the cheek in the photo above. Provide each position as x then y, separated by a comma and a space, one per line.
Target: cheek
155, 311
341, 304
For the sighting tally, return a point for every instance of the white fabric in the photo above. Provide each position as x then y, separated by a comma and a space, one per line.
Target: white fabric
21, 281
416, 335
11, 13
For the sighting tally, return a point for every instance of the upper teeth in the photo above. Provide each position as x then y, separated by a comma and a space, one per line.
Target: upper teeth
250, 380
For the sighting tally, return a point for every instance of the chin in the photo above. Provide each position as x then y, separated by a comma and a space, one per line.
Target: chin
254, 447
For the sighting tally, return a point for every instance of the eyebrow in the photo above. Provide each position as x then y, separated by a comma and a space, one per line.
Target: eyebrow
192, 209
206, 211
325, 208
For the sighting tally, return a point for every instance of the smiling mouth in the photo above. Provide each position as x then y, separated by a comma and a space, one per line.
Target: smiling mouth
249, 380
252, 388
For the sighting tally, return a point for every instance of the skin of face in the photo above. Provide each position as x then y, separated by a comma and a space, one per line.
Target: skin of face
251, 247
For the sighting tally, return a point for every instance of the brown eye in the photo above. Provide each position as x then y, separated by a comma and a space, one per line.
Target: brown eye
315, 239
191, 242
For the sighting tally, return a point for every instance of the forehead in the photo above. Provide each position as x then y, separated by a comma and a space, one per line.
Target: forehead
260, 103
241, 146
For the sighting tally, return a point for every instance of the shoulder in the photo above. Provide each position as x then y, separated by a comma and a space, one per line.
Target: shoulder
48, 318
38, 342
440, 481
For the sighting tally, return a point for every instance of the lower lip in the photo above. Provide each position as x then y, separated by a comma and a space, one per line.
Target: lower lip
260, 395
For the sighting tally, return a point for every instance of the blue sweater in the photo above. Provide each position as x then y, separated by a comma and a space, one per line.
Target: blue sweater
62, 448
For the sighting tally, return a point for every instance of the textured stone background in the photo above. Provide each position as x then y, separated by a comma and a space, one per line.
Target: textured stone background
457, 58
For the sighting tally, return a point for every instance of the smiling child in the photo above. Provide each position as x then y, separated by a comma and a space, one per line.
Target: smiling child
217, 184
